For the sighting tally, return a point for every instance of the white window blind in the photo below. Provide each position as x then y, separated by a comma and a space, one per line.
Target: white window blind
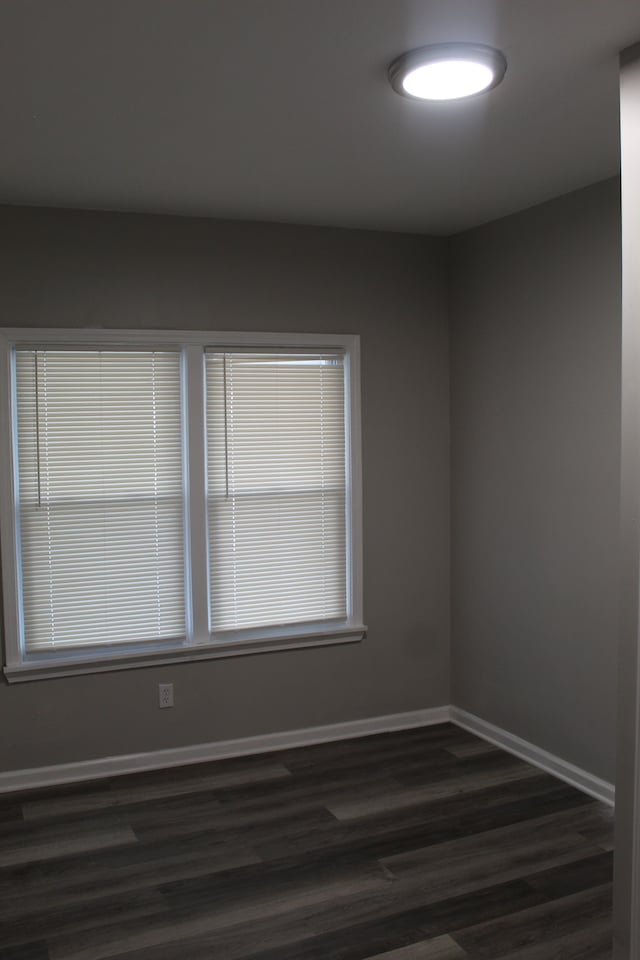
276, 488
100, 497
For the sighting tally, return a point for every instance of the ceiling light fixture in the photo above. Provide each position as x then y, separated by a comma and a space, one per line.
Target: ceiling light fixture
447, 71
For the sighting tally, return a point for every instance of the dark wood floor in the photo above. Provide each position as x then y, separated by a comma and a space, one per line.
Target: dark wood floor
422, 845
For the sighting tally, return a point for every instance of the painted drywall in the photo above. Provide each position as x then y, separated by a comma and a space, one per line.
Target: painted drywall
80, 269
535, 390
627, 851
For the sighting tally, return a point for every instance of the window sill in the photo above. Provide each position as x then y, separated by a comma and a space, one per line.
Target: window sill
43, 667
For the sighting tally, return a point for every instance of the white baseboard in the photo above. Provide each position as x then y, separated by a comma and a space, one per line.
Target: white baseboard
587, 782
179, 756
34, 777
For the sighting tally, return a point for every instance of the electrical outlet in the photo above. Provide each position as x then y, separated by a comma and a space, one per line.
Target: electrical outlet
165, 695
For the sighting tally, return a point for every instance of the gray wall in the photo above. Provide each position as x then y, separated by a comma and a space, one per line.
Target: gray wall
534, 303
89, 269
535, 340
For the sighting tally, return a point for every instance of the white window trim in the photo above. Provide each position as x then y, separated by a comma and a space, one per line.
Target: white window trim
199, 645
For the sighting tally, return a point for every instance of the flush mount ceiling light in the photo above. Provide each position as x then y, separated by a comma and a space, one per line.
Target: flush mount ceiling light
447, 71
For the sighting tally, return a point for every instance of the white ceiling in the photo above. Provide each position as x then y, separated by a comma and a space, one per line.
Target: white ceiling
280, 109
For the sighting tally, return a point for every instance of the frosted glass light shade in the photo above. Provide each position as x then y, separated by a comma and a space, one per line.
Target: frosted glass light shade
447, 71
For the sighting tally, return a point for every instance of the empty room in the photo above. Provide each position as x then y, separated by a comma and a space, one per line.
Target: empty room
320, 479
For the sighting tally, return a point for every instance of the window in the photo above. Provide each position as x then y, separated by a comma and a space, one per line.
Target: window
99, 497
276, 488
177, 498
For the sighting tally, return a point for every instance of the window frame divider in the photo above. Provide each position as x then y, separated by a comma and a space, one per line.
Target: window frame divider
194, 466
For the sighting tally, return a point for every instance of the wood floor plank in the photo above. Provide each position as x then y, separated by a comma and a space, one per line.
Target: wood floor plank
391, 754
202, 915
281, 880
444, 819
485, 762
592, 871
450, 786
409, 893
118, 795
439, 829
390, 932
469, 870
47, 925
376, 747
25, 951
191, 818
186, 771
516, 845
232, 943
10, 810
313, 787
60, 841
440, 948
79, 880
171, 818
331, 781
549, 921
415, 765
593, 941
